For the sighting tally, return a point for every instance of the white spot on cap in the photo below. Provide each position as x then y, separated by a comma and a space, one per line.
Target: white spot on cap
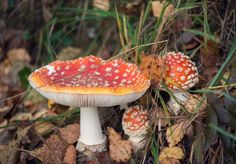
108, 69
187, 71
62, 73
116, 71
115, 64
117, 77
125, 75
58, 68
179, 69
50, 69
82, 68
97, 73
172, 75
67, 67
182, 78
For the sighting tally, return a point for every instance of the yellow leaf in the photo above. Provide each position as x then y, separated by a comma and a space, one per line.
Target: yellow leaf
171, 152
120, 150
175, 133
50, 103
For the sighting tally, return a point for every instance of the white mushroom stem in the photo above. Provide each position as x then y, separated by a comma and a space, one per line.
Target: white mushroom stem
90, 127
136, 139
124, 106
181, 97
137, 142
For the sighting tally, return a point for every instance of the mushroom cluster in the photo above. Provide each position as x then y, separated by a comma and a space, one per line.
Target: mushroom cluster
88, 83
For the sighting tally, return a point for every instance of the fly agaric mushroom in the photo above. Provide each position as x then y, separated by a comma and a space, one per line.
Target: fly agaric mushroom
135, 124
88, 83
182, 74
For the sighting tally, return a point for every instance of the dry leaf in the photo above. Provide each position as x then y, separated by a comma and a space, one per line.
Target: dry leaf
70, 133
3, 123
21, 117
101, 4
70, 155
171, 152
19, 54
3, 110
40, 113
153, 67
157, 8
194, 105
10, 152
52, 151
170, 161
42, 128
120, 150
175, 133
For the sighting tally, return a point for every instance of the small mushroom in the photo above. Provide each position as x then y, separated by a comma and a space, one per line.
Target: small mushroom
182, 75
89, 83
135, 124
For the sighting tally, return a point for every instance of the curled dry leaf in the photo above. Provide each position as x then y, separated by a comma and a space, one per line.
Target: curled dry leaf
70, 155
171, 152
195, 104
120, 150
101, 4
175, 133
70, 133
158, 6
153, 67
52, 151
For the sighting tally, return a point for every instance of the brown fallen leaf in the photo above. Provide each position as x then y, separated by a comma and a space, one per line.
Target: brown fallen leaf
158, 6
171, 152
70, 133
120, 150
10, 154
52, 151
175, 133
70, 155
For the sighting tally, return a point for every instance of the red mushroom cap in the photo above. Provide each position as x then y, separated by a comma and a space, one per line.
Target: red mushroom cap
86, 76
182, 72
135, 121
